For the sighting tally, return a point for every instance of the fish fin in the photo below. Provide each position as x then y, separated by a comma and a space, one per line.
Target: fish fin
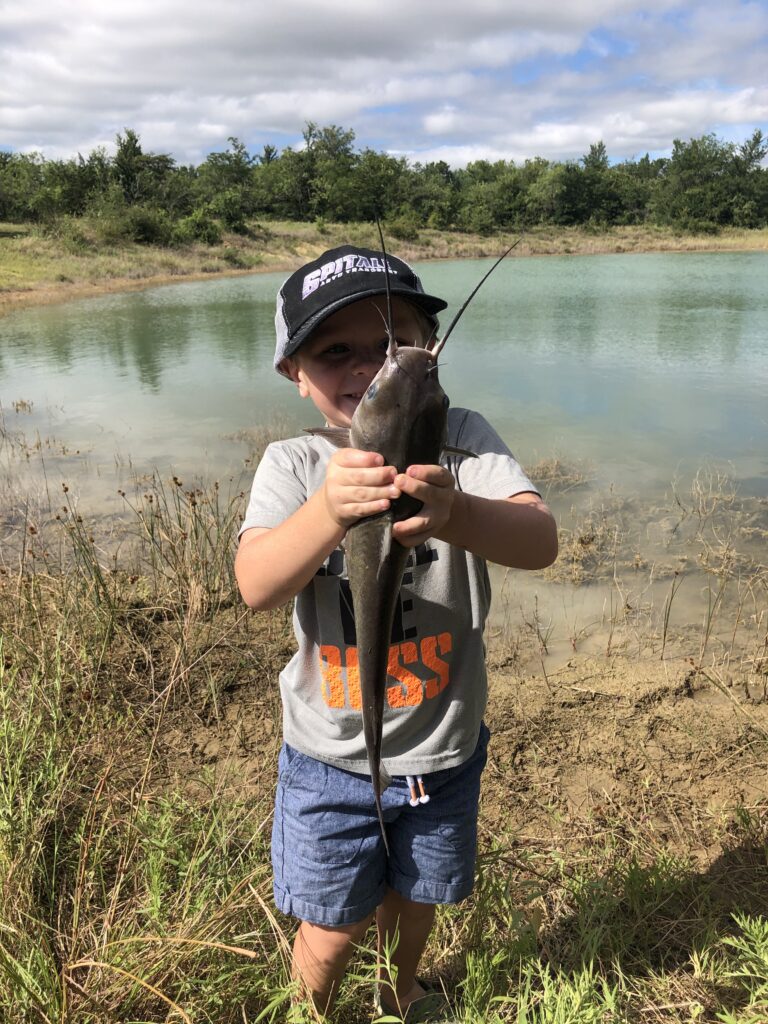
450, 449
385, 779
338, 436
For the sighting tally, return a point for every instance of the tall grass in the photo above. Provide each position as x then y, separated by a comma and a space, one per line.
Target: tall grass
123, 892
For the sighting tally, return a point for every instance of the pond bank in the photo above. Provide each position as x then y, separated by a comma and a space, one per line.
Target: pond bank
37, 269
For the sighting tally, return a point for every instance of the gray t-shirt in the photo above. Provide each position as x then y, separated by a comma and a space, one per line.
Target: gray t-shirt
437, 684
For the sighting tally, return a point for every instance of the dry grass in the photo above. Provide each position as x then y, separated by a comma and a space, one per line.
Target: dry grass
37, 269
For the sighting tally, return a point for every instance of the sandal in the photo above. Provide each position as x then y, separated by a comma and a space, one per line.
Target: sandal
432, 1007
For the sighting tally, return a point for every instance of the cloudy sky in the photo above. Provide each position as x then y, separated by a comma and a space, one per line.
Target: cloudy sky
430, 80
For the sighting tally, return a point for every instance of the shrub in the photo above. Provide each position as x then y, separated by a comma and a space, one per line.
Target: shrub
405, 227
148, 226
199, 226
228, 205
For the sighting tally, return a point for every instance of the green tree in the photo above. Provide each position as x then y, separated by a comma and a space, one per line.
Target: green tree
558, 196
695, 192
596, 160
432, 192
376, 186
476, 210
21, 178
291, 180
128, 165
330, 164
225, 185
750, 182
142, 177
596, 203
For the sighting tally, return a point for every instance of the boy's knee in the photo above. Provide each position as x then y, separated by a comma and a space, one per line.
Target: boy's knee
395, 902
328, 941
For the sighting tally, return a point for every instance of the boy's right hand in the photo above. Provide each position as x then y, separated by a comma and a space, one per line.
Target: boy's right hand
357, 484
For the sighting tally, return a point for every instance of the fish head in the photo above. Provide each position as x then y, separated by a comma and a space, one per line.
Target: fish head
403, 413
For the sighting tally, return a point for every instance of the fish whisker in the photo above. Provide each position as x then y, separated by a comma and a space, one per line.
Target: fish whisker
392, 347
438, 347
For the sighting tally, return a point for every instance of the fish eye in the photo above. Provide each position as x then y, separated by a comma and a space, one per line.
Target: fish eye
370, 393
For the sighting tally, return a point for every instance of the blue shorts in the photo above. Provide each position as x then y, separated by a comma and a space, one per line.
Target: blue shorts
328, 855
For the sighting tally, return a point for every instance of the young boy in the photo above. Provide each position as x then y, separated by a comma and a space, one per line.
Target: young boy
331, 868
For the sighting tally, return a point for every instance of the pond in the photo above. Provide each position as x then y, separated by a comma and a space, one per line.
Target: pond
645, 366
639, 375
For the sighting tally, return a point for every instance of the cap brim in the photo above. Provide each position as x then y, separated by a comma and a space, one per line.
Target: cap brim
430, 304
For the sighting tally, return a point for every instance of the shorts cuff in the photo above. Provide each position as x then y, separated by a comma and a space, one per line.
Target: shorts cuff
422, 890
331, 917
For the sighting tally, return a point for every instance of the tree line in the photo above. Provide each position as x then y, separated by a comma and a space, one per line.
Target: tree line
704, 185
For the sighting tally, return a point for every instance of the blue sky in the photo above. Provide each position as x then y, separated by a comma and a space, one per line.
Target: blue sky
448, 80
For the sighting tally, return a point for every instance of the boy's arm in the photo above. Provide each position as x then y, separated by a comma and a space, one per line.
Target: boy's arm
273, 565
518, 531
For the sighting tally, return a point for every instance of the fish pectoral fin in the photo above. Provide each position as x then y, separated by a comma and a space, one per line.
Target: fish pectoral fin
338, 436
385, 779
450, 449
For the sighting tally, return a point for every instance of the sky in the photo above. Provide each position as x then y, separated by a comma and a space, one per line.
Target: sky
447, 80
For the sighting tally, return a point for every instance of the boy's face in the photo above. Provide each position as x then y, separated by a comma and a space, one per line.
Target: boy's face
338, 361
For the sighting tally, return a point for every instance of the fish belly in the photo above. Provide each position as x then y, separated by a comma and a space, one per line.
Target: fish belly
375, 565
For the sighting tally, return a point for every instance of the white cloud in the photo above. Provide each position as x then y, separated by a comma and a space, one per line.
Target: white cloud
450, 81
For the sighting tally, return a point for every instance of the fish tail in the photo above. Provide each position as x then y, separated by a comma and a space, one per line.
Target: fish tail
380, 813
380, 779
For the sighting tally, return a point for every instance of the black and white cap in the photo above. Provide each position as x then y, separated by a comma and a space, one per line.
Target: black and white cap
334, 280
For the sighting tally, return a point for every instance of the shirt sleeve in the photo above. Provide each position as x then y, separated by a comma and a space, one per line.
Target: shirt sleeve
495, 473
279, 488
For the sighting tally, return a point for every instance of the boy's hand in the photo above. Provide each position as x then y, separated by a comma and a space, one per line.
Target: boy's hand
435, 487
357, 484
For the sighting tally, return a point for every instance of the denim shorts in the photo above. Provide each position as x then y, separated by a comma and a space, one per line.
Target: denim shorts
328, 856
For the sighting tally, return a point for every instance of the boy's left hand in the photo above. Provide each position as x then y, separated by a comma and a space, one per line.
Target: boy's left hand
435, 487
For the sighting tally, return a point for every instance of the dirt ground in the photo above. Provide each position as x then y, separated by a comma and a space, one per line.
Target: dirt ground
668, 744
656, 738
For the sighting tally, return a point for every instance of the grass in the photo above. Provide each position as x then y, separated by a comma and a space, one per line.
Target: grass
75, 259
138, 742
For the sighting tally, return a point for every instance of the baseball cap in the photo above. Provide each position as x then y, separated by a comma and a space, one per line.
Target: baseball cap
334, 280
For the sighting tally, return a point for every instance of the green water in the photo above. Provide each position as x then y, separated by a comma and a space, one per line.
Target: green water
645, 366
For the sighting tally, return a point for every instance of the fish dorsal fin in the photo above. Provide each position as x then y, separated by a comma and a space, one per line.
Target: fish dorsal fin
338, 436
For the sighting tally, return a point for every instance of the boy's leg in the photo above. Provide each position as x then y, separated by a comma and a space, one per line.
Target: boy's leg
433, 848
411, 922
320, 957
